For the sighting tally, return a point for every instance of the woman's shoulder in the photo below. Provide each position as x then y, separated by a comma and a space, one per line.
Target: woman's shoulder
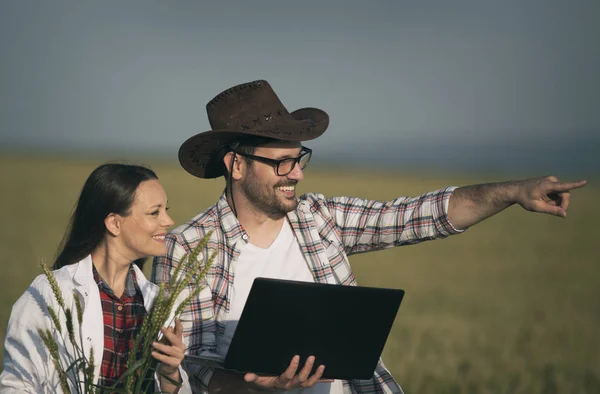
37, 297
45, 286
66, 273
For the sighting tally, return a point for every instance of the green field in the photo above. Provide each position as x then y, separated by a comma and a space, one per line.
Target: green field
510, 306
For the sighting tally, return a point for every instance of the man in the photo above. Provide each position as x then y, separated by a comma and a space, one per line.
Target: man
260, 227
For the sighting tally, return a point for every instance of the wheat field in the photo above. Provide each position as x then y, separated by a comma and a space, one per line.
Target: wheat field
510, 306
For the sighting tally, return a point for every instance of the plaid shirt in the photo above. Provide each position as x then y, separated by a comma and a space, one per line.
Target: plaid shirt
123, 318
327, 230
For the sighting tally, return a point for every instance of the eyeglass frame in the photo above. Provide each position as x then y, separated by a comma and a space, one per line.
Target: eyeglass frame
305, 151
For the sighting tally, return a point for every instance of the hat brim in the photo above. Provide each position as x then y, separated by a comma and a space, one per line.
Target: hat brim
201, 155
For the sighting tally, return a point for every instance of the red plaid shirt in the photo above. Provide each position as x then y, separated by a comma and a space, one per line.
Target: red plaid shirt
123, 318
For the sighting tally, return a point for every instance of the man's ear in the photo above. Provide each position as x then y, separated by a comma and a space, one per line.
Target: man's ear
238, 167
113, 224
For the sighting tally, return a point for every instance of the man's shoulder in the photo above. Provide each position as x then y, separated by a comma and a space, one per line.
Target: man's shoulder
313, 204
197, 226
318, 201
312, 198
329, 207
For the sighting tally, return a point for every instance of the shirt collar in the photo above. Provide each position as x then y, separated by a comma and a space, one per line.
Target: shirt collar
131, 287
230, 225
232, 228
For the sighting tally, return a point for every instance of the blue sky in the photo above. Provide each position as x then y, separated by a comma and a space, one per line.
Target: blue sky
502, 84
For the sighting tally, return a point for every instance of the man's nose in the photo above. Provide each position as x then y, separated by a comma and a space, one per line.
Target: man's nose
297, 173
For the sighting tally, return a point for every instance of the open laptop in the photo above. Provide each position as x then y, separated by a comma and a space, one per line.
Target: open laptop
344, 327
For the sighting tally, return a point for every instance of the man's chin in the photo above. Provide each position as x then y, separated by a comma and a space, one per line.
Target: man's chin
289, 204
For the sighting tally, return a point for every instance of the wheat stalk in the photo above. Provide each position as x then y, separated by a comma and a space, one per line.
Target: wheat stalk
161, 309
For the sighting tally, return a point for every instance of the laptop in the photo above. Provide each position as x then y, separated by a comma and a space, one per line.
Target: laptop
344, 327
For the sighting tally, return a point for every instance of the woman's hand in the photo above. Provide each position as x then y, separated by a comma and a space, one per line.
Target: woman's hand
170, 354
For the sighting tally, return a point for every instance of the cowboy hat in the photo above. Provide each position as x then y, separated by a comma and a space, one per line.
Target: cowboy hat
249, 109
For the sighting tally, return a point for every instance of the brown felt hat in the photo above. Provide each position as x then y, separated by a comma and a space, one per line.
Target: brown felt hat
249, 109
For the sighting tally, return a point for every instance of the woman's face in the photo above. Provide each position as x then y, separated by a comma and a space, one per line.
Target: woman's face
144, 229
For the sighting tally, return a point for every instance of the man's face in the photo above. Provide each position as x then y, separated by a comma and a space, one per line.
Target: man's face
268, 192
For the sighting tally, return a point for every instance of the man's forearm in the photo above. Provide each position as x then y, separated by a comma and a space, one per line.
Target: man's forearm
469, 205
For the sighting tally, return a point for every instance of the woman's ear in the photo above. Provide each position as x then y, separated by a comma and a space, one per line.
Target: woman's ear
235, 168
113, 224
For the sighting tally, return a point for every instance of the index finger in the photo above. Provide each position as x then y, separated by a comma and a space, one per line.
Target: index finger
566, 186
290, 372
178, 327
170, 335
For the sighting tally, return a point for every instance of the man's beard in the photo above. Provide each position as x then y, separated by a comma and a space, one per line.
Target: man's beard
265, 199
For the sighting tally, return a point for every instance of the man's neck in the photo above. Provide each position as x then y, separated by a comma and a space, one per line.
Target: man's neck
262, 229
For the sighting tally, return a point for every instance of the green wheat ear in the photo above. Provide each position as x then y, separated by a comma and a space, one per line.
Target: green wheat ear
53, 284
52, 346
78, 307
54, 318
198, 287
91, 366
70, 328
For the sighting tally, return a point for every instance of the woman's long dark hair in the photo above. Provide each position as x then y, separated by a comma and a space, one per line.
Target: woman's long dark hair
110, 188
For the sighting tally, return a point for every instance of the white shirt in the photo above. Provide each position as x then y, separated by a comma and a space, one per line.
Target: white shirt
281, 260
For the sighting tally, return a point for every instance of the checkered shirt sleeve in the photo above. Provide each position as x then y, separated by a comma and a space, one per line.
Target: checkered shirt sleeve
368, 225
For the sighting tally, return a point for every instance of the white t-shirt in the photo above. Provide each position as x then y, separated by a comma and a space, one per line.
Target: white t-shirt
281, 260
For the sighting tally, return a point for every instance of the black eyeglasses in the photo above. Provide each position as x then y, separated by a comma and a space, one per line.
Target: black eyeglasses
283, 166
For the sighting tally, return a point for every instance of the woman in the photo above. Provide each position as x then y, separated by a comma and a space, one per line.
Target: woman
120, 218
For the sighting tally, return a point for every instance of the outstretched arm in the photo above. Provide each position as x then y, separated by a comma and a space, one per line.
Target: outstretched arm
471, 204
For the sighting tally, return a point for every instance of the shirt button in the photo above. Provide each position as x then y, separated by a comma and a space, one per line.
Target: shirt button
120, 307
